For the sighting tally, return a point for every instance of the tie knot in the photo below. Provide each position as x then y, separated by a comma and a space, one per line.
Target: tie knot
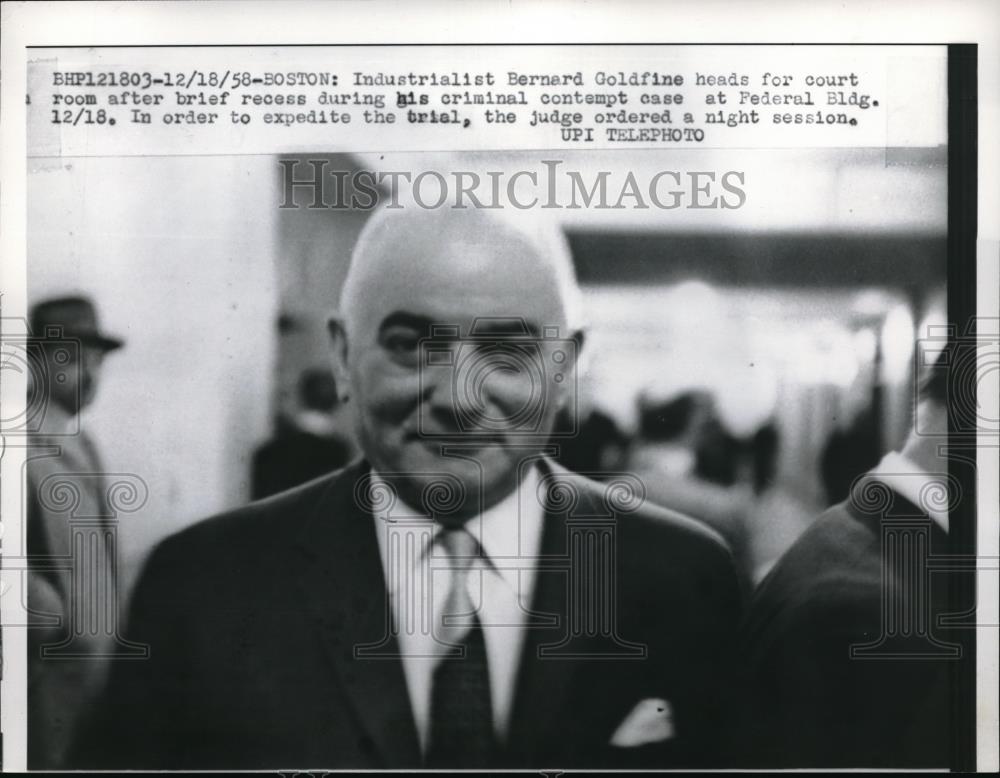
460, 546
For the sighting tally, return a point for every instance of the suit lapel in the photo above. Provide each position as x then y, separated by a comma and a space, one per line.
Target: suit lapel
544, 680
343, 582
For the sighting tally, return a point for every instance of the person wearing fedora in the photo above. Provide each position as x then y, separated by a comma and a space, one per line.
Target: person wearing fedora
65, 479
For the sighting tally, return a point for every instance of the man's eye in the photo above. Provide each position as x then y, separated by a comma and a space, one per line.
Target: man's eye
401, 343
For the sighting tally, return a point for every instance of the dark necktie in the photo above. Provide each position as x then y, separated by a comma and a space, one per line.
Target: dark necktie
461, 723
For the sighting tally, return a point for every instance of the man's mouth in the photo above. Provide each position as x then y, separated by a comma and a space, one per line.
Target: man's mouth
479, 440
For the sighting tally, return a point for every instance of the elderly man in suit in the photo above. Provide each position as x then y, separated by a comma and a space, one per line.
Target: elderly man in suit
455, 599
848, 665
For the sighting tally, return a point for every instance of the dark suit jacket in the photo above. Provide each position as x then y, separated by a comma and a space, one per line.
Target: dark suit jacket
808, 702
294, 457
252, 618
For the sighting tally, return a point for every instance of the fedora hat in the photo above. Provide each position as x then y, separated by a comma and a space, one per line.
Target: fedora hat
76, 316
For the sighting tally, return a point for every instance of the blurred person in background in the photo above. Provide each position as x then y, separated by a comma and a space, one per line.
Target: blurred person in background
65, 480
310, 444
849, 452
691, 463
777, 515
810, 703
597, 448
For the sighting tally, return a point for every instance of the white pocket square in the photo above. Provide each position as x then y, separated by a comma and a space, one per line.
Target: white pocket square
651, 721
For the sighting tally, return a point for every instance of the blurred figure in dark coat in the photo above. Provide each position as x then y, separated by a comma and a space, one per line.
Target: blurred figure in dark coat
851, 451
306, 446
836, 678
597, 448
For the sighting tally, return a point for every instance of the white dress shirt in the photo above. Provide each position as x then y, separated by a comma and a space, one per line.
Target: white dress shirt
500, 584
907, 478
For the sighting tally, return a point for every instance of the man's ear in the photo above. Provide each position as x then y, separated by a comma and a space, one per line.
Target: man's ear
573, 366
579, 337
576, 359
338, 337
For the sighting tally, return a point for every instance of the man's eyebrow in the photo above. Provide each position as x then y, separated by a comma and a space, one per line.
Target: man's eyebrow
513, 326
403, 319
488, 327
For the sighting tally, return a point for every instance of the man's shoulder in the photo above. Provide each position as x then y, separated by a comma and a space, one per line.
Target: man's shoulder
671, 542
682, 532
261, 527
673, 571
623, 497
838, 544
832, 573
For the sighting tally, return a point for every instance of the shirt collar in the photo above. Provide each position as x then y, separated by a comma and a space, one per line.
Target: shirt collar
907, 478
509, 532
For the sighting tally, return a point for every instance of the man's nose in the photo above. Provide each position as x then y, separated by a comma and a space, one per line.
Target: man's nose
453, 392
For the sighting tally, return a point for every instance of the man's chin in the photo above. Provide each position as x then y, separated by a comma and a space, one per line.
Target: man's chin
463, 479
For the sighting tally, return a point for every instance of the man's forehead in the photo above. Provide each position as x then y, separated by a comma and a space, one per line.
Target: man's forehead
451, 303
455, 271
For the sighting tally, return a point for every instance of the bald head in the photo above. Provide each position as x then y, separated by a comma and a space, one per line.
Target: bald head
489, 264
